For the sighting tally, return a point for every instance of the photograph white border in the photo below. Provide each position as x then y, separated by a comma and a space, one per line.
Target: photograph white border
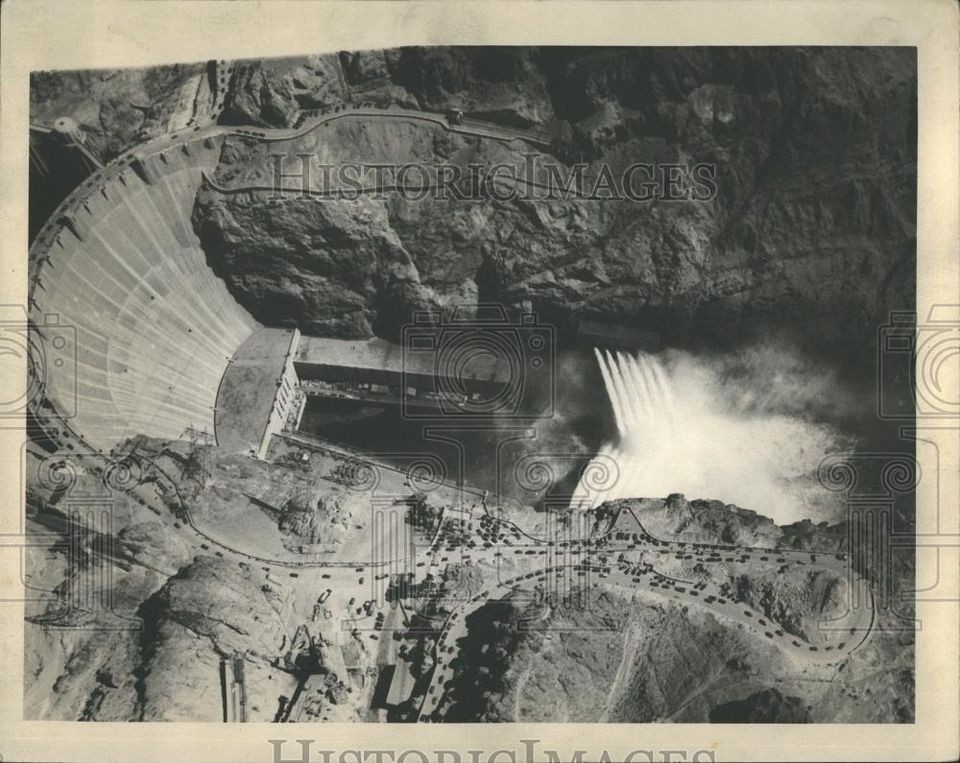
43, 34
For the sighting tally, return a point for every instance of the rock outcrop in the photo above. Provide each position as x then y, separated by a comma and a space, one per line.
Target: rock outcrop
118, 108
206, 612
813, 225
612, 655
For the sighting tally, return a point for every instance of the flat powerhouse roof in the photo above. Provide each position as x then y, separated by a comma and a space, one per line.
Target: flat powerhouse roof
464, 358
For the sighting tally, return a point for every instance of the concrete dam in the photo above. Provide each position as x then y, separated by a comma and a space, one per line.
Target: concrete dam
134, 328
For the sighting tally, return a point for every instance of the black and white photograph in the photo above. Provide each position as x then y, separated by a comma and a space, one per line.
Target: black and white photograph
478, 384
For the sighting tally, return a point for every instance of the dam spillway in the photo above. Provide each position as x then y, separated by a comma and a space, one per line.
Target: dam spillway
645, 412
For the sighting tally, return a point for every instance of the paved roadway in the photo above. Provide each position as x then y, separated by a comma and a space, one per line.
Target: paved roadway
841, 637
632, 560
491, 541
472, 127
122, 163
624, 560
194, 133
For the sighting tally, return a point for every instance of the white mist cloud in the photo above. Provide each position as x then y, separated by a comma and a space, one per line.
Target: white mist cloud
733, 429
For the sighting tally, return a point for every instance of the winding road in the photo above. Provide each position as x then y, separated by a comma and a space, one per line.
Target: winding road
842, 637
630, 562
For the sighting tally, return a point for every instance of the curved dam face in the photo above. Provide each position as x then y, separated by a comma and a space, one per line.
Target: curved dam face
132, 331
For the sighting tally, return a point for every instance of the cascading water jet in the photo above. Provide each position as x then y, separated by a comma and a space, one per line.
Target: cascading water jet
680, 429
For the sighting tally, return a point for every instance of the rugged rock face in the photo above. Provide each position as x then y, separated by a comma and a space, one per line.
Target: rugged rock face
272, 93
813, 225
767, 706
207, 611
118, 108
308, 522
306, 508
176, 607
632, 658
182, 605
812, 229
716, 521
613, 660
